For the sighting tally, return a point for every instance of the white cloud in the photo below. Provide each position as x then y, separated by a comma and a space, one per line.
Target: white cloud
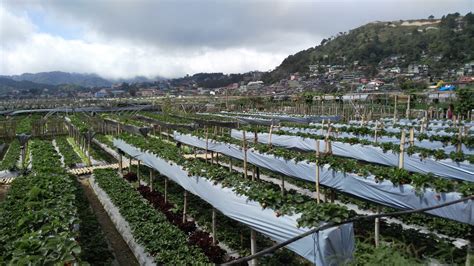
173, 38
13, 29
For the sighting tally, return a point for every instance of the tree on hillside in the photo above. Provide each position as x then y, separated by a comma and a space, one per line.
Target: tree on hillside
431, 17
465, 102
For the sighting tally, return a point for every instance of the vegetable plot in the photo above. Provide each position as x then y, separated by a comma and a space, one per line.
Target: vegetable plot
230, 192
365, 185
38, 220
11, 157
150, 228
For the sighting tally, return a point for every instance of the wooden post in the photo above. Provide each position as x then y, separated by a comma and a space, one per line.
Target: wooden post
230, 164
138, 171
459, 144
253, 246
377, 228
375, 131
129, 164
395, 110
214, 233
408, 108
245, 154
166, 189
151, 179
120, 163
207, 142
270, 136
185, 205
318, 197
282, 185
412, 136
402, 150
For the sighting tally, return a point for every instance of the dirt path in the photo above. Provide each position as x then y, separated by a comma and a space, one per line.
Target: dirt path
122, 253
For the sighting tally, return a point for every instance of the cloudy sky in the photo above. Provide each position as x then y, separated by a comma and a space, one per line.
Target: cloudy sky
126, 38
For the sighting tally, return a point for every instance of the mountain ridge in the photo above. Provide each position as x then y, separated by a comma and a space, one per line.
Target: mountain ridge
441, 43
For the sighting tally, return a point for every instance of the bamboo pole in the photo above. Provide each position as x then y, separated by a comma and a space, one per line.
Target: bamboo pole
166, 189
120, 163
207, 142
138, 171
253, 246
214, 233
185, 205
244, 146
318, 197
151, 179
408, 107
377, 228
270, 136
402, 151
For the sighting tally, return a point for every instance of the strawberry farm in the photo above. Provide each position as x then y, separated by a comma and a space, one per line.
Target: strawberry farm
153, 186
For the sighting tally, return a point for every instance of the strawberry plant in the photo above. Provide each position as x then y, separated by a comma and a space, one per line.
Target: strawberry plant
11, 157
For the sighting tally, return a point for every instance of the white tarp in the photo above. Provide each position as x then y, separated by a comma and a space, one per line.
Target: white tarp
385, 192
329, 247
423, 143
446, 168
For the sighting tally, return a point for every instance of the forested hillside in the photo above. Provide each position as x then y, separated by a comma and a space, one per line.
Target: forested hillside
444, 43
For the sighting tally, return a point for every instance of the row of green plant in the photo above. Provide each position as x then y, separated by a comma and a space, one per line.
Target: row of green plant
164, 241
271, 190
438, 154
368, 131
24, 124
234, 234
267, 194
450, 228
39, 220
70, 156
345, 165
124, 118
166, 118
79, 121
394, 236
11, 157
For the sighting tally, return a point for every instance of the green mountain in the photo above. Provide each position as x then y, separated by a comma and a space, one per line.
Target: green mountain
441, 44
58, 77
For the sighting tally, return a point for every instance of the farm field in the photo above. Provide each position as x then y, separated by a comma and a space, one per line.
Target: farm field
151, 188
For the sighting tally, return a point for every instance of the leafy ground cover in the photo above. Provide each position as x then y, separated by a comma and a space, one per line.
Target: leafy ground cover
70, 156
43, 219
346, 165
167, 243
11, 157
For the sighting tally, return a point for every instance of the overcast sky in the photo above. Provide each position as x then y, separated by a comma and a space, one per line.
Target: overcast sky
126, 38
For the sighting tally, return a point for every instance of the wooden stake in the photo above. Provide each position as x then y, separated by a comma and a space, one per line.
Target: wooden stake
207, 142
151, 179
166, 189
282, 185
402, 150
318, 197
253, 246
245, 154
120, 163
185, 205
270, 137
377, 228
408, 108
138, 171
412, 136
395, 110
214, 233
